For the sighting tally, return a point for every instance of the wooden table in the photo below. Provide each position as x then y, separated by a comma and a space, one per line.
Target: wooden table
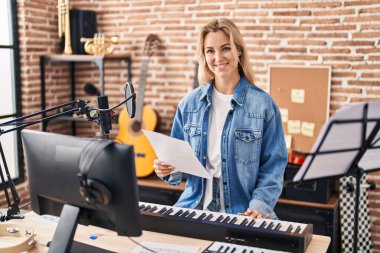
111, 241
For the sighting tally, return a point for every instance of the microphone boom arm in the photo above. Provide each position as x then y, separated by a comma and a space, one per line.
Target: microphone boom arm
13, 211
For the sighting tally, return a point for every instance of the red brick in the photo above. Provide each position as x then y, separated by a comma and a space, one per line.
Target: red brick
320, 21
353, 43
330, 51
299, 57
307, 42
334, 12
291, 13
366, 83
320, 5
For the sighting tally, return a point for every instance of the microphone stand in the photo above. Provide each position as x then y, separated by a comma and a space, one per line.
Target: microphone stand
79, 108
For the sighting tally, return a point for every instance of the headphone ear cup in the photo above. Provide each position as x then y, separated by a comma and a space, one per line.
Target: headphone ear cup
97, 193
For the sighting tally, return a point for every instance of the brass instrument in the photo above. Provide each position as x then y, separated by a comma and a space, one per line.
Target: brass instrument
64, 24
99, 45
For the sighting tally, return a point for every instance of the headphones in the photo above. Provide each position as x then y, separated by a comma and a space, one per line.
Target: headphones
93, 191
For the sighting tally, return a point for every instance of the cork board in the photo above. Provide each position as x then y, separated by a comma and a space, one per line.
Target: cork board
303, 96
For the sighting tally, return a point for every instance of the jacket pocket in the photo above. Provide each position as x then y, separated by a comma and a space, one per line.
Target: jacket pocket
193, 133
247, 145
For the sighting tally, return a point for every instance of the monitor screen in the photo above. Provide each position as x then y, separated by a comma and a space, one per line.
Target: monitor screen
52, 164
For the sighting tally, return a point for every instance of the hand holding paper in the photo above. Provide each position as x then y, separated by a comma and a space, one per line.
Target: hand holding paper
177, 153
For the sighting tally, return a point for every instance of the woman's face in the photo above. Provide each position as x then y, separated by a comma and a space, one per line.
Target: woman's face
219, 57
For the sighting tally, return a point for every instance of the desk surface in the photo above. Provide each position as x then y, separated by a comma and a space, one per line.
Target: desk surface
109, 240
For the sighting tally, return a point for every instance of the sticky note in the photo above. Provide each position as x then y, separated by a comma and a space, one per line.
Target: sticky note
284, 114
298, 96
307, 128
294, 126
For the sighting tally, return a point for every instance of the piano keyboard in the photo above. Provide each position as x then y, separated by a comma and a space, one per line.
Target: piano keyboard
214, 226
224, 247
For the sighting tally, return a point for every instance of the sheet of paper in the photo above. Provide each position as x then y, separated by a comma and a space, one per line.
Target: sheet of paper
294, 127
165, 248
298, 96
307, 128
284, 114
343, 137
177, 153
288, 141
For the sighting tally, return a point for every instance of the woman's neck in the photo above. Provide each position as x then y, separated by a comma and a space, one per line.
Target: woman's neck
227, 85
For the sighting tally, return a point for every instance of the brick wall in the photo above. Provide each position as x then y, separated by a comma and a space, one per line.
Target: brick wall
341, 34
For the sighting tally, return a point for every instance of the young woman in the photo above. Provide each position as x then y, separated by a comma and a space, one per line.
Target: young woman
234, 128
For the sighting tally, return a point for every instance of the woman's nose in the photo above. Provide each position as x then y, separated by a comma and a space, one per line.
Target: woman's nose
218, 55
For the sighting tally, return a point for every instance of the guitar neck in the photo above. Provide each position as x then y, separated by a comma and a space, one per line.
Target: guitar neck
141, 90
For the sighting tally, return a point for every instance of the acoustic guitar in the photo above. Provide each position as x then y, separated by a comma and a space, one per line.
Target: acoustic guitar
145, 118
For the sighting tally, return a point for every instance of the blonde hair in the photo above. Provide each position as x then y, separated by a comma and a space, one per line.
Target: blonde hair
236, 40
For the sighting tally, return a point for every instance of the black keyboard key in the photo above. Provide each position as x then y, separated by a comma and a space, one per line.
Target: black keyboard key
220, 249
153, 209
142, 207
147, 208
169, 211
251, 223
278, 226
233, 220
245, 221
163, 210
289, 228
263, 224
219, 218
298, 229
226, 219
202, 216
209, 217
178, 213
192, 214
270, 225
186, 213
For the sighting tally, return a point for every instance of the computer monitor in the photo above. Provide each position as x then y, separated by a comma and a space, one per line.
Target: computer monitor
52, 162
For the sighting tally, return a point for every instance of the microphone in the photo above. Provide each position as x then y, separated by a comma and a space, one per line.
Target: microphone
130, 98
90, 89
104, 116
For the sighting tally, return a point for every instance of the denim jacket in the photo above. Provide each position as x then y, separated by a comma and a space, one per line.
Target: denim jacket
253, 149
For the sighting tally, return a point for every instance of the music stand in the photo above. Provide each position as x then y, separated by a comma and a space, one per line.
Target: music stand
348, 145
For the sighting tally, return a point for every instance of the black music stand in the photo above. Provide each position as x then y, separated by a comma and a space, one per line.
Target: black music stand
348, 145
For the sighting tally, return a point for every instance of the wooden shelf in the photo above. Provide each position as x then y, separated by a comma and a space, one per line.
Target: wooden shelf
332, 203
154, 182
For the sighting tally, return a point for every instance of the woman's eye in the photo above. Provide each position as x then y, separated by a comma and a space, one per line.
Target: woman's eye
209, 51
226, 49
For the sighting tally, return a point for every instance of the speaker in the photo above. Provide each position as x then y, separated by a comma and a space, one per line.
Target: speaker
313, 191
82, 24
324, 217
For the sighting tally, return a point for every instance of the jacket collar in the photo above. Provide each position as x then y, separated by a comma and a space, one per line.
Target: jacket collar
238, 95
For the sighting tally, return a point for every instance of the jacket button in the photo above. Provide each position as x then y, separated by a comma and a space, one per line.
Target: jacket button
227, 206
225, 182
204, 158
224, 160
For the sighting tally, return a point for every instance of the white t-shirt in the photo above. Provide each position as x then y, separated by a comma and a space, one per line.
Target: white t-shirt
220, 106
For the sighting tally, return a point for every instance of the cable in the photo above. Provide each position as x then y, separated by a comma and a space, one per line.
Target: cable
27, 204
142, 246
116, 227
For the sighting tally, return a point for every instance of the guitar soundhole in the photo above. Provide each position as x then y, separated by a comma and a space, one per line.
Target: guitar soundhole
136, 126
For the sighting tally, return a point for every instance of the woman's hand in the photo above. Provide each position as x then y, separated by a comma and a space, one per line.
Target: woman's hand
254, 214
162, 169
